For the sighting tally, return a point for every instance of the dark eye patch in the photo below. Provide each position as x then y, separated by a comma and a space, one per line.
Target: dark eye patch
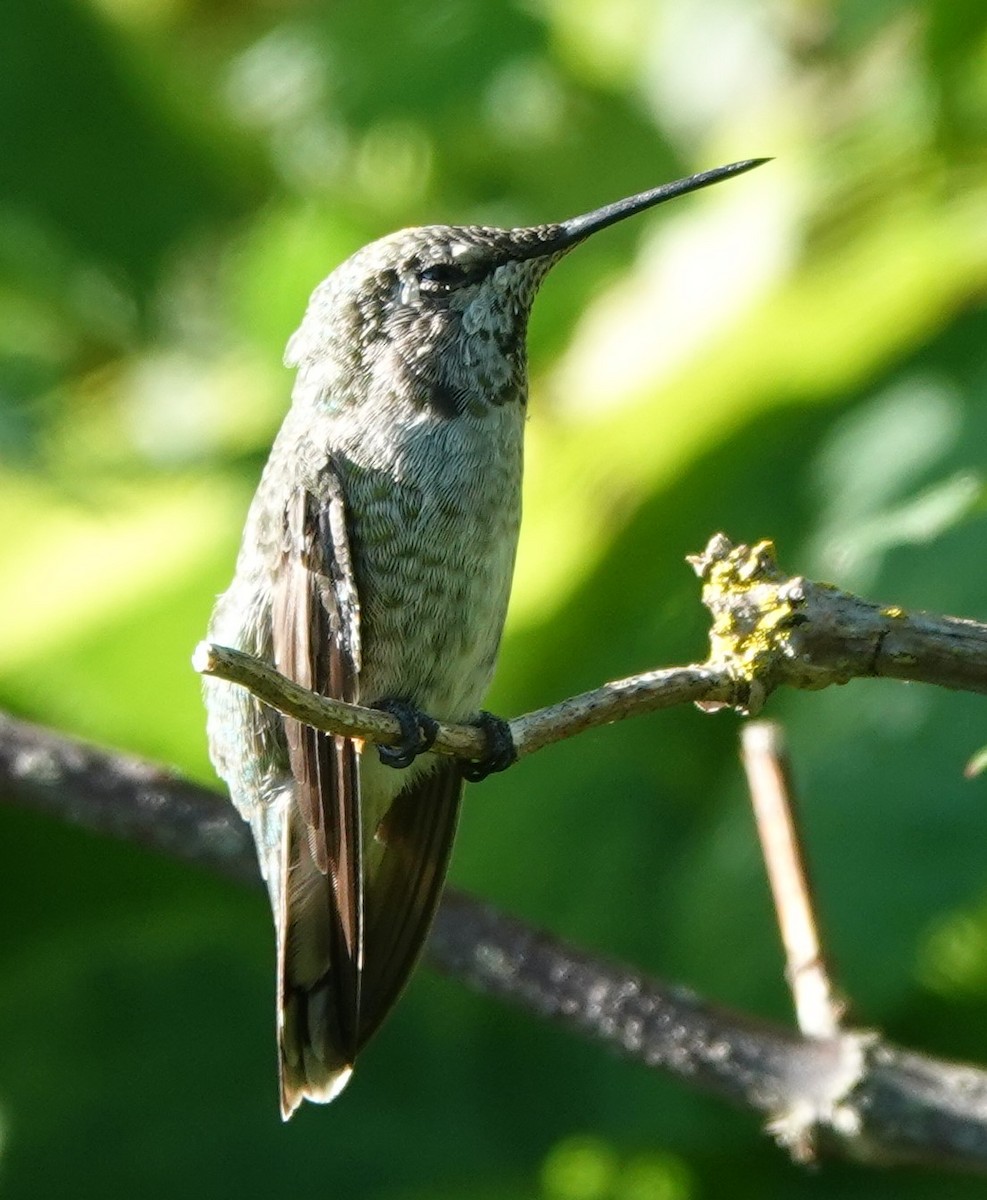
445, 277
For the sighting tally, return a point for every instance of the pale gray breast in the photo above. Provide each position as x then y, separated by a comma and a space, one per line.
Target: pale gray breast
434, 507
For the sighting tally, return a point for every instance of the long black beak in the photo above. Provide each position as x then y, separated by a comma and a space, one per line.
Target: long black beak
569, 233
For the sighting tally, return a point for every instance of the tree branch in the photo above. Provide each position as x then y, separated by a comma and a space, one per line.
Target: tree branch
626, 697
769, 629
853, 1093
818, 1009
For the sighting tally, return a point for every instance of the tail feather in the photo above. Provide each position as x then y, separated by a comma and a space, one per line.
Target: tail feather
310, 1068
318, 988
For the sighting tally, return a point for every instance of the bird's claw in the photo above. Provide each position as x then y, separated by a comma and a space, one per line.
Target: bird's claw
501, 751
418, 732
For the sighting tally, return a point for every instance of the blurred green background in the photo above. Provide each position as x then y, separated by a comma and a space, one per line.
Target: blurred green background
800, 354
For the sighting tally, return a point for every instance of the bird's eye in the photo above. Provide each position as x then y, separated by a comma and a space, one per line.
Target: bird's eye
442, 278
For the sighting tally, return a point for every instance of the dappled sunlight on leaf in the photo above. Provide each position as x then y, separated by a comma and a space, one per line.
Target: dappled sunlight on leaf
527, 103
952, 956
872, 476
588, 1168
179, 408
71, 569
580, 1169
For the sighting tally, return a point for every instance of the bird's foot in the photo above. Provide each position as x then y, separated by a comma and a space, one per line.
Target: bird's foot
501, 751
418, 732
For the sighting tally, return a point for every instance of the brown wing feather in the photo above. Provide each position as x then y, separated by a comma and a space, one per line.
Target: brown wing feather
320, 918
403, 893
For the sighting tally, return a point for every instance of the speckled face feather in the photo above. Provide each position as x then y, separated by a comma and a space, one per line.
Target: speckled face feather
443, 309
376, 564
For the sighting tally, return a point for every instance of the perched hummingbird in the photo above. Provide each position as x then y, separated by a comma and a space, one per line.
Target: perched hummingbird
376, 566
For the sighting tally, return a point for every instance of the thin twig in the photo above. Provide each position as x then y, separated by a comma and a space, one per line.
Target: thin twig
818, 1008
769, 630
611, 702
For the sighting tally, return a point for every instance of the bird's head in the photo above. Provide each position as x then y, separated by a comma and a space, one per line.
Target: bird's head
441, 311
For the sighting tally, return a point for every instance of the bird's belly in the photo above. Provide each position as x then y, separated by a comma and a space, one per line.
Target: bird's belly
433, 593
433, 510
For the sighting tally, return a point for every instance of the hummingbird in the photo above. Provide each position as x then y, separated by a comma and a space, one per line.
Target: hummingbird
375, 567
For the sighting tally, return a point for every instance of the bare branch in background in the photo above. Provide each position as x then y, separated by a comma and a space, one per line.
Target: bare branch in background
818, 1009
